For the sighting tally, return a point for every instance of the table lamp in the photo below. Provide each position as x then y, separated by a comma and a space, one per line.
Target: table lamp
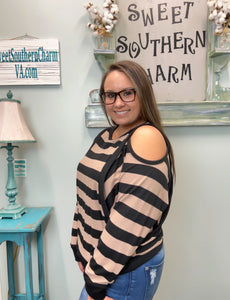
13, 129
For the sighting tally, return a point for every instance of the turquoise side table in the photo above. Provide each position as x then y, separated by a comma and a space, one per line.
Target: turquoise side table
21, 232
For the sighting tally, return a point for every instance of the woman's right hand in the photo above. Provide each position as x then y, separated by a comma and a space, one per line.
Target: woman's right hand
82, 270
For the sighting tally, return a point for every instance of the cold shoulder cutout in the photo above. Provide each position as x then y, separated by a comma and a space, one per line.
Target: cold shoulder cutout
148, 143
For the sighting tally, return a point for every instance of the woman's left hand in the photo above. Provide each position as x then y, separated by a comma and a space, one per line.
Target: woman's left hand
106, 298
81, 267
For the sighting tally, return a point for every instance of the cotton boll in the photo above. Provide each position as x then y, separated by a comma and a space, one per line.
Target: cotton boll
91, 26
109, 21
221, 20
110, 16
211, 4
214, 12
105, 12
90, 8
211, 17
106, 4
219, 4
106, 21
87, 6
219, 15
218, 31
114, 9
108, 28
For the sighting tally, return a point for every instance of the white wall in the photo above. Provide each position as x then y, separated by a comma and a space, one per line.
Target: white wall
197, 229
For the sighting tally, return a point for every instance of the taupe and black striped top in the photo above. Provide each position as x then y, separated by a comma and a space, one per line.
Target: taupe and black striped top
122, 201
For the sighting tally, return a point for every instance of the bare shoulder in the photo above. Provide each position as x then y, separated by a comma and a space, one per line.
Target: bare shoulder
148, 143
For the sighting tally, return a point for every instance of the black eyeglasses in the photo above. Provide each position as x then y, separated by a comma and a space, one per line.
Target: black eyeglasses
126, 95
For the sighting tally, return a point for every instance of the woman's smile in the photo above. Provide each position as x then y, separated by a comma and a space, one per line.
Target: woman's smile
121, 113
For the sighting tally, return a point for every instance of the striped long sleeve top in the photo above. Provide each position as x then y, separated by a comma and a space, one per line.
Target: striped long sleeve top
122, 201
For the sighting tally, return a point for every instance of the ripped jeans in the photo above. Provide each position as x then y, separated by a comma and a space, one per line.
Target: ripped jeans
140, 284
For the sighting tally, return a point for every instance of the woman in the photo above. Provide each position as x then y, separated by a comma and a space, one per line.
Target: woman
124, 188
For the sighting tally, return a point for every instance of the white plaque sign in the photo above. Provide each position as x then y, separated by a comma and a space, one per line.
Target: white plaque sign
168, 38
29, 62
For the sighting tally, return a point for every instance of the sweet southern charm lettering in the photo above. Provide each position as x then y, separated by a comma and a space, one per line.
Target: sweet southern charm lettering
176, 13
165, 37
165, 44
37, 55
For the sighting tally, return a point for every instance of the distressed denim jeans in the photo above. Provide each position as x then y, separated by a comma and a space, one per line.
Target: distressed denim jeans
140, 284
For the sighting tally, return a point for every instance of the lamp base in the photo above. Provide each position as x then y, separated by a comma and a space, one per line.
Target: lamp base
14, 211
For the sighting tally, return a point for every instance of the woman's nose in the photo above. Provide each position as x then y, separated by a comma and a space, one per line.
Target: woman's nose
118, 101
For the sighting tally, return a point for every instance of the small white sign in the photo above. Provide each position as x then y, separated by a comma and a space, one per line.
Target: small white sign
29, 62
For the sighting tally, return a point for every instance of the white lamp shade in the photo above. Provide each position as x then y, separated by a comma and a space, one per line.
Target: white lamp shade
13, 127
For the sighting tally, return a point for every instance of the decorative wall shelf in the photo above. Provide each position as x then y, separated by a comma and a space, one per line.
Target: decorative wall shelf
104, 57
218, 65
204, 113
218, 52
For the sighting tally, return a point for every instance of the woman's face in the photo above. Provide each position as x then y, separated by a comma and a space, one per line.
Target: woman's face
124, 114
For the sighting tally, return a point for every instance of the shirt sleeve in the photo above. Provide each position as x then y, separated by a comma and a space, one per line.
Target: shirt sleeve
74, 235
141, 198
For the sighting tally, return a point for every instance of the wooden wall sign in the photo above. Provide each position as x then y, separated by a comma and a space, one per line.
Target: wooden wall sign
168, 38
29, 62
